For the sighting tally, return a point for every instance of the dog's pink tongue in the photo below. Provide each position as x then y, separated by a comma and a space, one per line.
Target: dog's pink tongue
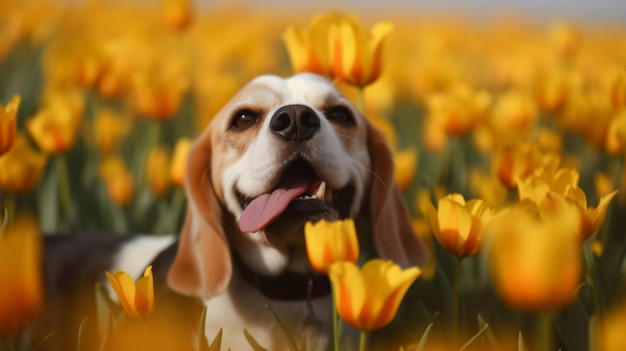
267, 207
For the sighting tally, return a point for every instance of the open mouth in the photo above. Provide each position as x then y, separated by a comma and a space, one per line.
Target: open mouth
299, 192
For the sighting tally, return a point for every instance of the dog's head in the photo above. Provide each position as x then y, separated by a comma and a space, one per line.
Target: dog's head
281, 153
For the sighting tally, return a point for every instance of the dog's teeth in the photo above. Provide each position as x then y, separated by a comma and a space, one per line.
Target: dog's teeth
328, 195
321, 192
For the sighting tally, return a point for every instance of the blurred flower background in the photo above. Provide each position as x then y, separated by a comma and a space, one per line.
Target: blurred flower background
508, 133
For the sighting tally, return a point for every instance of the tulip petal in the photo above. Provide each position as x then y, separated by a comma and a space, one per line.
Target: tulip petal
455, 224
374, 55
348, 291
144, 298
124, 287
330, 242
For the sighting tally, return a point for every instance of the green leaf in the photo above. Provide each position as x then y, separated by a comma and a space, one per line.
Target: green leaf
521, 344
216, 345
421, 346
288, 337
47, 196
106, 308
82, 342
491, 338
303, 345
202, 341
475, 337
42, 343
107, 332
255, 345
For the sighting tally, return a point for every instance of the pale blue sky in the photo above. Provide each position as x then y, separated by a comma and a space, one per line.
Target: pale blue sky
581, 10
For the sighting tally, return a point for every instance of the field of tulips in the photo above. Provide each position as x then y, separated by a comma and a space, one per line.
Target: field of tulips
509, 141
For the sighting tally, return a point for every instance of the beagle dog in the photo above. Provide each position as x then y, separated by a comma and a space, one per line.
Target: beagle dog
281, 153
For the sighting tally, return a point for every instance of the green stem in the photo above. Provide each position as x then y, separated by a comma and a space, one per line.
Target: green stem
543, 331
456, 295
363, 340
152, 139
65, 194
7, 212
291, 343
589, 280
335, 325
361, 99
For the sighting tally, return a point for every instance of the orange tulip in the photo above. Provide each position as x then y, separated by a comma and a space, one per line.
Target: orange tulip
459, 225
21, 280
21, 167
330, 242
8, 123
369, 298
535, 263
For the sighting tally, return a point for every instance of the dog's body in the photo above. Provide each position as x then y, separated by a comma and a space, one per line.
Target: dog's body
281, 153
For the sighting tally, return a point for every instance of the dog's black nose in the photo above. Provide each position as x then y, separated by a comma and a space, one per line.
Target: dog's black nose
295, 122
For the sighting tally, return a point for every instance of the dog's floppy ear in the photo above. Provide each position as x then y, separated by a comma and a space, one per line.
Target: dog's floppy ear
202, 266
393, 234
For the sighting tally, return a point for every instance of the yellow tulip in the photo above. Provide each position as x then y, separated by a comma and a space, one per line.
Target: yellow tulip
110, 128
330, 242
536, 186
535, 263
566, 40
137, 299
157, 98
157, 161
177, 14
369, 298
518, 161
488, 187
8, 123
21, 280
608, 331
556, 192
618, 89
118, 180
21, 166
335, 45
459, 225
514, 114
356, 56
616, 136
55, 126
405, 162
179, 161
459, 109
308, 48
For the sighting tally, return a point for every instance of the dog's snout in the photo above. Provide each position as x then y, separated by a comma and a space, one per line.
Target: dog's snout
295, 122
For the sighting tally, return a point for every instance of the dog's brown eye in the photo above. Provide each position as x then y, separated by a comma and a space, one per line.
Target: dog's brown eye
244, 119
340, 115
